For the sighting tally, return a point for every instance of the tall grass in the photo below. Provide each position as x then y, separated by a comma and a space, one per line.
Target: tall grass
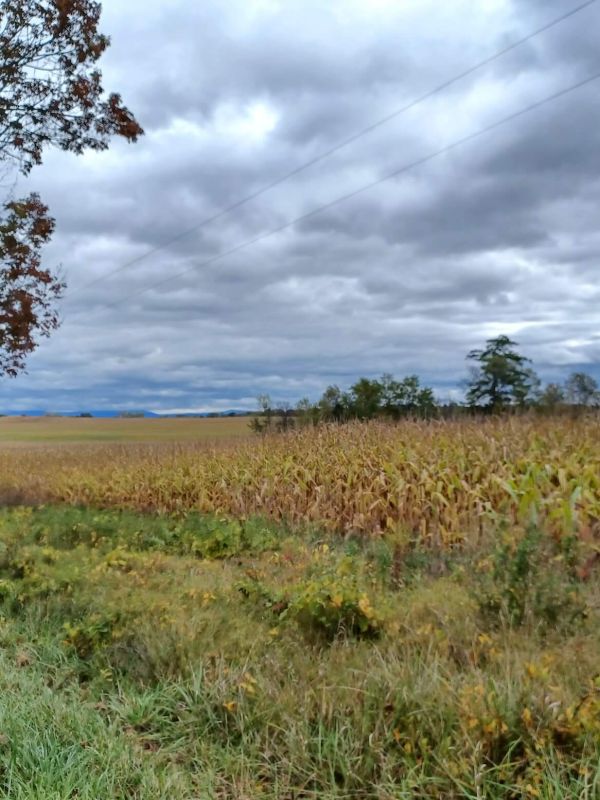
133, 666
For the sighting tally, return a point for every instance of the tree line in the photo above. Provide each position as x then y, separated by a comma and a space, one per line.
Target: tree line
500, 380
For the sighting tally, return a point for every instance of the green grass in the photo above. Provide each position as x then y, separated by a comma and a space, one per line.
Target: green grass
154, 657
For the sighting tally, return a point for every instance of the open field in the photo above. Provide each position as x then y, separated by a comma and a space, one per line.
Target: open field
357, 612
69, 429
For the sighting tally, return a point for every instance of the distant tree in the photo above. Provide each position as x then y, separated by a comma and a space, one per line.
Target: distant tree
502, 377
582, 389
263, 421
285, 418
365, 398
334, 405
308, 413
529, 391
280, 419
51, 94
406, 397
552, 397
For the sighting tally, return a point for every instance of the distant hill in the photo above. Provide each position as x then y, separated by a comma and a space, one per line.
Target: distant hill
234, 412
103, 414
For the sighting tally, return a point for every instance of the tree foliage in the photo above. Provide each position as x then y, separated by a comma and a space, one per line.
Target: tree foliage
406, 397
552, 397
50, 89
370, 398
51, 94
365, 398
334, 404
582, 389
269, 419
502, 377
27, 291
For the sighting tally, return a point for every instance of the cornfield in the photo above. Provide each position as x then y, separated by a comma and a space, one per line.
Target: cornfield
441, 481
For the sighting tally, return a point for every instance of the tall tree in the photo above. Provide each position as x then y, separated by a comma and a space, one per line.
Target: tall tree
51, 94
502, 377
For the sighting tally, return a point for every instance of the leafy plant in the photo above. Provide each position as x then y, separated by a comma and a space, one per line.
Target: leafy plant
333, 604
530, 578
328, 601
91, 634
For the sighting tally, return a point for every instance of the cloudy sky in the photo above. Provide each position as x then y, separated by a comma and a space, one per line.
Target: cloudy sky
500, 235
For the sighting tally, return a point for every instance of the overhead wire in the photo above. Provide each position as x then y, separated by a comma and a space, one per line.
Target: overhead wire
335, 149
365, 187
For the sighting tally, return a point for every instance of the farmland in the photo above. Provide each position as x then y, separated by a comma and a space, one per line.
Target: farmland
444, 481
350, 611
69, 430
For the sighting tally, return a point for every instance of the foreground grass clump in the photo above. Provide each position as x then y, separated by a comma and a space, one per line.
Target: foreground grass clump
445, 482
161, 657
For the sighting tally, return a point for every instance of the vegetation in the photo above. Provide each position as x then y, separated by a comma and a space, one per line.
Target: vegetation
440, 481
582, 390
374, 610
502, 381
154, 657
396, 607
367, 399
51, 94
501, 378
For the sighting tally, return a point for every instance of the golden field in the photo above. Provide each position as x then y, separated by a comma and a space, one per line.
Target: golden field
61, 430
442, 481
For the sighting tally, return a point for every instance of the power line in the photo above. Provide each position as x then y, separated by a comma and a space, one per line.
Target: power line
354, 193
336, 148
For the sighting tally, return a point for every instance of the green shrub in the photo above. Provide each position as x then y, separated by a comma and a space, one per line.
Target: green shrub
330, 600
333, 604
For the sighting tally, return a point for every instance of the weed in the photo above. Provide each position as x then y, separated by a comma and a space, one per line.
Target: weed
91, 634
530, 578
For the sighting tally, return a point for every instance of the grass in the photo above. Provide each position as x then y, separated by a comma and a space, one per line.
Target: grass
195, 656
69, 430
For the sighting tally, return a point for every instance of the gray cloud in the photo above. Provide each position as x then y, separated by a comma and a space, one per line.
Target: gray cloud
498, 236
